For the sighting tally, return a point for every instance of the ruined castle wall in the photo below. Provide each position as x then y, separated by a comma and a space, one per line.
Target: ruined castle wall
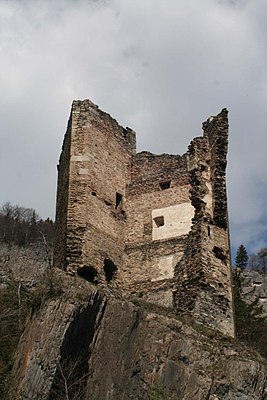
62, 201
159, 216
100, 161
203, 287
160, 220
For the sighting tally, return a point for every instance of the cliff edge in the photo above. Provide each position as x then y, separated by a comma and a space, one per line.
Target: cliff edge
87, 343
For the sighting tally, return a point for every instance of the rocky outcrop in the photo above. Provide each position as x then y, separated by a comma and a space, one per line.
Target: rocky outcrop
26, 264
101, 347
254, 285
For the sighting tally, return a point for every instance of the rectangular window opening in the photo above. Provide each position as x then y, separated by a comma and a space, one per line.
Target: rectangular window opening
118, 199
165, 185
159, 221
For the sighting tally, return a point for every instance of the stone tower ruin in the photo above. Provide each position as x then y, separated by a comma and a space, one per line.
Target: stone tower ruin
151, 226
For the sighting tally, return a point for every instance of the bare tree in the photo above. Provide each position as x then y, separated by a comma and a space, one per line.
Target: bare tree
258, 262
69, 383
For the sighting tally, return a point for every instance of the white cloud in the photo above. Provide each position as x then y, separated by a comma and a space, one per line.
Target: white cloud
159, 67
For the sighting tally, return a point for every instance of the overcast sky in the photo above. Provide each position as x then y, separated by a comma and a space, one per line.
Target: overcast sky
161, 67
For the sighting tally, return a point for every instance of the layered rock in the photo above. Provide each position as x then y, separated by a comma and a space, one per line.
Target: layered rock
102, 347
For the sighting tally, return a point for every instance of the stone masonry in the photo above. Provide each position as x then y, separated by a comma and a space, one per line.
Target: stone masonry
152, 226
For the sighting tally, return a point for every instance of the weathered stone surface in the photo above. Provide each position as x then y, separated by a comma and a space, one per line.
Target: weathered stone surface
128, 351
203, 275
26, 264
254, 285
153, 217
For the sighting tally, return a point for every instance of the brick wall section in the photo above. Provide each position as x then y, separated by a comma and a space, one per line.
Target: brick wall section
203, 275
144, 258
148, 170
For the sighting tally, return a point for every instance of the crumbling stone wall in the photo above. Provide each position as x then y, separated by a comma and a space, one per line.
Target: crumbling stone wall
203, 275
150, 225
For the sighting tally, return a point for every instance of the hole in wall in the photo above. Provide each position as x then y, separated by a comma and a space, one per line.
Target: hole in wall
209, 231
108, 203
204, 168
88, 272
219, 253
165, 185
159, 221
110, 269
257, 283
93, 193
118, 199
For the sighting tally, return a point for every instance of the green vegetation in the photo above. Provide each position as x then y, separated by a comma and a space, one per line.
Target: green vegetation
241, 259
157, 392
22, 226
251, 325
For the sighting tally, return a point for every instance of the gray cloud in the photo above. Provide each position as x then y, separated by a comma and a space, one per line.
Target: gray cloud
160, 67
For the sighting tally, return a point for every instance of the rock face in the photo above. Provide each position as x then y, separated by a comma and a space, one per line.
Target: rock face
26, 264
155, 225
111, 349
254, 285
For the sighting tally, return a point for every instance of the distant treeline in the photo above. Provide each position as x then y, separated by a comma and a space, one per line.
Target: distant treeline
254, 262
22, 226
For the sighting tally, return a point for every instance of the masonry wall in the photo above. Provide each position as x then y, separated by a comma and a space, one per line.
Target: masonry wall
159, 214
100, 168
203, 275
63, 167
159, 220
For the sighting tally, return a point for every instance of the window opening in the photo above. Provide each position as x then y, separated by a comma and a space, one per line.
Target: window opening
219, 253
209, 231
165, 185
88, 272
118, 199
159, 221
110, 269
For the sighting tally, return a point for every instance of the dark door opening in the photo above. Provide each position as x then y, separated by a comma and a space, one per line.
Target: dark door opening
88, 272
118, 199
110, 269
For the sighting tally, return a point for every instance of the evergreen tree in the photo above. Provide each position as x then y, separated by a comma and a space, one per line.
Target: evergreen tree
241, 259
